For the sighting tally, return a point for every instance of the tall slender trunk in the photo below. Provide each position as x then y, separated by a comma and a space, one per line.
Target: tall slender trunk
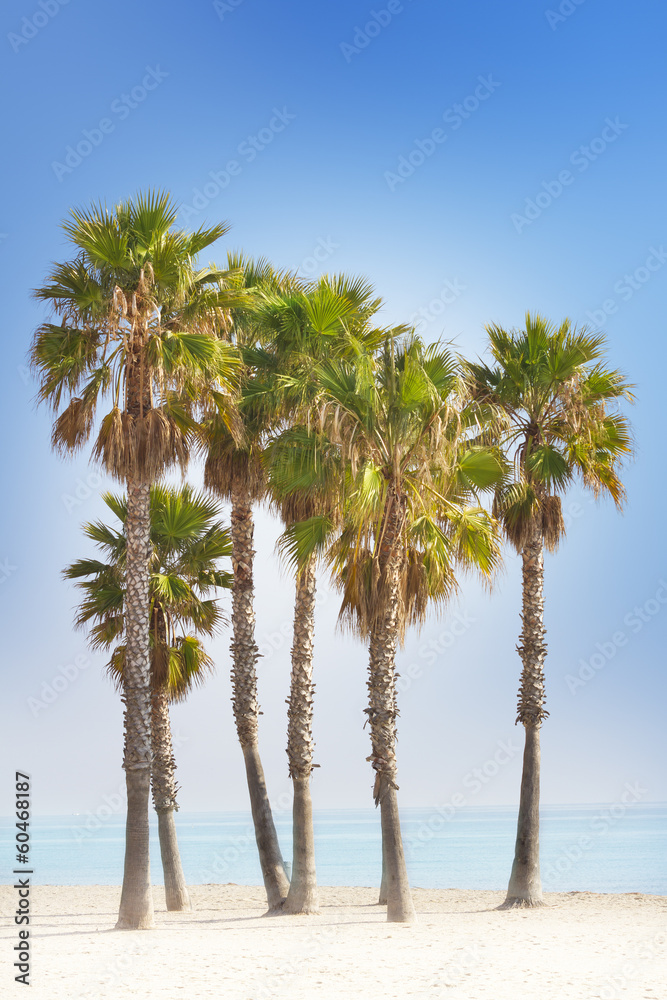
302, 896
382, 898
525, 886
244, 699
164, 799
383, 710
136, 903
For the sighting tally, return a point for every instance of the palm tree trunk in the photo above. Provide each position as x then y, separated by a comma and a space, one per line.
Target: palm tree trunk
164, 800
525, 886
382, 899
302, 896
244, 699
383, 711
136, 903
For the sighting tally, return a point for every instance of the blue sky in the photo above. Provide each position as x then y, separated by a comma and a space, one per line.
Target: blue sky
475, 160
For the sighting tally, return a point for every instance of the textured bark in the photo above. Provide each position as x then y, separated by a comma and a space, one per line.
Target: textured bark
175, 887
164, 799
400, 908
382, 712
244, 696
270, 858
533, 650
136, 904
382, 898
244, 648
302, 895
525, 887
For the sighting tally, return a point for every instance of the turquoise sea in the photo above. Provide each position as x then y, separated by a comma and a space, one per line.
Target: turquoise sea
598, 848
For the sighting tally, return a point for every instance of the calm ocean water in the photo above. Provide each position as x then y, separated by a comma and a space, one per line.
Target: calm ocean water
596, 848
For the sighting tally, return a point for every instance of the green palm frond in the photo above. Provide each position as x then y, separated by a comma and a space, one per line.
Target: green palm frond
188, 541
305, 540
138, 323
395, 419
552, 405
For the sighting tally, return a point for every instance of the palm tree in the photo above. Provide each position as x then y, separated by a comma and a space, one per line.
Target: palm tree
282, 329
552, 405
136, 327
305, 483
234, 472
331, 317
394, 420
187, 541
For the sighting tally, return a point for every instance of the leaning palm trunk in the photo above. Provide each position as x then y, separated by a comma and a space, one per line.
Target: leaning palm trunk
164, 800
246, 707
136, 904
302, 896
525, 887
382, 713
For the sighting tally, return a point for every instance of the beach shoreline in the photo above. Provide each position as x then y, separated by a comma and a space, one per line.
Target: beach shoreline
580, 946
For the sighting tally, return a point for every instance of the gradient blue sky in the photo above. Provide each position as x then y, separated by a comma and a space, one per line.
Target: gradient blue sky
443, 240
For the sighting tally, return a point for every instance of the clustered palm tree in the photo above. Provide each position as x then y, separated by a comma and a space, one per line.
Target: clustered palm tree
376, 450
187, 541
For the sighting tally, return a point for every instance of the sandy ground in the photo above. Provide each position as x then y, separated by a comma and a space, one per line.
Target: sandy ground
580, 947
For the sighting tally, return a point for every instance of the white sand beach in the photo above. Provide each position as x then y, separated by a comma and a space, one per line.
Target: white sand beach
580, 947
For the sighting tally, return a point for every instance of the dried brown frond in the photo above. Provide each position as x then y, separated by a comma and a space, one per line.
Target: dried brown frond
72, 428
553, 525
140, 447
230, 469
159, 666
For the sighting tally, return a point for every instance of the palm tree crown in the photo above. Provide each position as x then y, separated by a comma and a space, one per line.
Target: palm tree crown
187, 543
551, 402
139, 324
